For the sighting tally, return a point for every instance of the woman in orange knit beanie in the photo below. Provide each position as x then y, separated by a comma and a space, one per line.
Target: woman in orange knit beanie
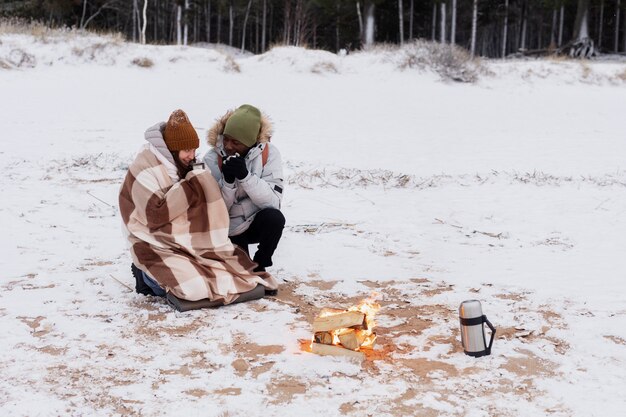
182, 140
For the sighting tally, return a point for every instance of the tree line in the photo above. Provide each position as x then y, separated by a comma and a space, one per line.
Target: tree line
490, 28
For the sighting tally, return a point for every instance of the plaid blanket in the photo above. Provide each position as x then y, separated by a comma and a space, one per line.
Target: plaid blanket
178, 233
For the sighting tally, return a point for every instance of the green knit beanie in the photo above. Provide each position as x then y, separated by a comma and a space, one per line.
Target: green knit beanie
244, 125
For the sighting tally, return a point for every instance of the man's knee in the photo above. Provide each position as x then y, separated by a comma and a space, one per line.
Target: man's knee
271, 217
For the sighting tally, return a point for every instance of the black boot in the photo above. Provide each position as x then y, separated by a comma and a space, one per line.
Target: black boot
271, 293
267, 291
140, 286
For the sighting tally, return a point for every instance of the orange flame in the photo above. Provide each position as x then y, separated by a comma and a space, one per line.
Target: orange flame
369, 307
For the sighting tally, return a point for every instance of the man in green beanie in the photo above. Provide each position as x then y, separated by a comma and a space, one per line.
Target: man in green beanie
250, 174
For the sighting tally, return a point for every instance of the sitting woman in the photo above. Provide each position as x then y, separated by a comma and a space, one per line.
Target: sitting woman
176, 223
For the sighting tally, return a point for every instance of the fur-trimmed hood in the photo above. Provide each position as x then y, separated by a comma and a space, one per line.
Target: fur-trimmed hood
265, 133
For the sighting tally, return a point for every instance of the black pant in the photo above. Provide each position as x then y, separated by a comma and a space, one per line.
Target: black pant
266, 230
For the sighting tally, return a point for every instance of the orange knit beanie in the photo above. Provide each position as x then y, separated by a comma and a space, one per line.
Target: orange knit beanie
179, 134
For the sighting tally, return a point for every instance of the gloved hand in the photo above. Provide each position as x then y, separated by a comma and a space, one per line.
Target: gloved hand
228, 171
236, 167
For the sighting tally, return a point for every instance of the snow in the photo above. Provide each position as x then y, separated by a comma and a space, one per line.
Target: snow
509, 190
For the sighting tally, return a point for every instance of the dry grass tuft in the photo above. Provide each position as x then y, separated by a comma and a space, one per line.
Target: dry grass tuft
451, 62
559, 58
622, 76
21, 59
586, 70
281, 44
44, 34
324, 67
351, 178
22, 27
5, 65
143, 62
231, 65
381, 47
97, 50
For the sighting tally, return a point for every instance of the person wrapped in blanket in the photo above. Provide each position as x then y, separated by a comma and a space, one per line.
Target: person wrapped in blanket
176, 223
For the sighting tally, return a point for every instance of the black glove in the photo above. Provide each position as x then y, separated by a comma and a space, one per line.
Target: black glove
236, 167
228, 171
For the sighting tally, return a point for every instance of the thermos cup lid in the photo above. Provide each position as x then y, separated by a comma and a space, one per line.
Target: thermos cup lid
470, 309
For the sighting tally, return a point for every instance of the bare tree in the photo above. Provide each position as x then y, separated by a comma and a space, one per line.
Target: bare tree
264, 30
337, 28
142, 35
617, 6
434, 23
287, 21
219, 23
411, 13
474, 24
453, 24
360, 19
600, 24
179, 17
581, 26
257, 38
561, 18
553, 29
401, 21
82, 19
524, 24
135, 14
442, 27
186, 26
582, 45
105, 5
302, 23
231, 20
208, 21
369, 23
245, 23
505, 29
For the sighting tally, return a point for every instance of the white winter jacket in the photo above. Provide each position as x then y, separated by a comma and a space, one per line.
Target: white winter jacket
261, 188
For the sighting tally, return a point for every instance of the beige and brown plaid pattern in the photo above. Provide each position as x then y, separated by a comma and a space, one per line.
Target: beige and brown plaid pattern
178, 234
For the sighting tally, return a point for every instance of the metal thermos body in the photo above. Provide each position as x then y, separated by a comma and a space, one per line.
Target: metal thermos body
472, 322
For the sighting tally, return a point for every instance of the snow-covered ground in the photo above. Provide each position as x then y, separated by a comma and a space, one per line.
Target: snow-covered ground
511, 190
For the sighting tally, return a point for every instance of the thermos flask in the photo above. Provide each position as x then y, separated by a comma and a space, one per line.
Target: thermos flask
473, 330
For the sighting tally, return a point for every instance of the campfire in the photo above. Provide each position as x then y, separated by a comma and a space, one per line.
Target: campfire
345, 332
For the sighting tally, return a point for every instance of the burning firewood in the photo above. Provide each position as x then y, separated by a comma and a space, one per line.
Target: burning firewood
345, 332
323, 337
332, 350
352, 339
338, 321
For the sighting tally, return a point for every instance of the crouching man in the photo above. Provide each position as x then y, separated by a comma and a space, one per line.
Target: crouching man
176, 223
250, 174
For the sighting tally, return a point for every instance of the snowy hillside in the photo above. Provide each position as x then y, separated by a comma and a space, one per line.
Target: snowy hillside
510, 189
